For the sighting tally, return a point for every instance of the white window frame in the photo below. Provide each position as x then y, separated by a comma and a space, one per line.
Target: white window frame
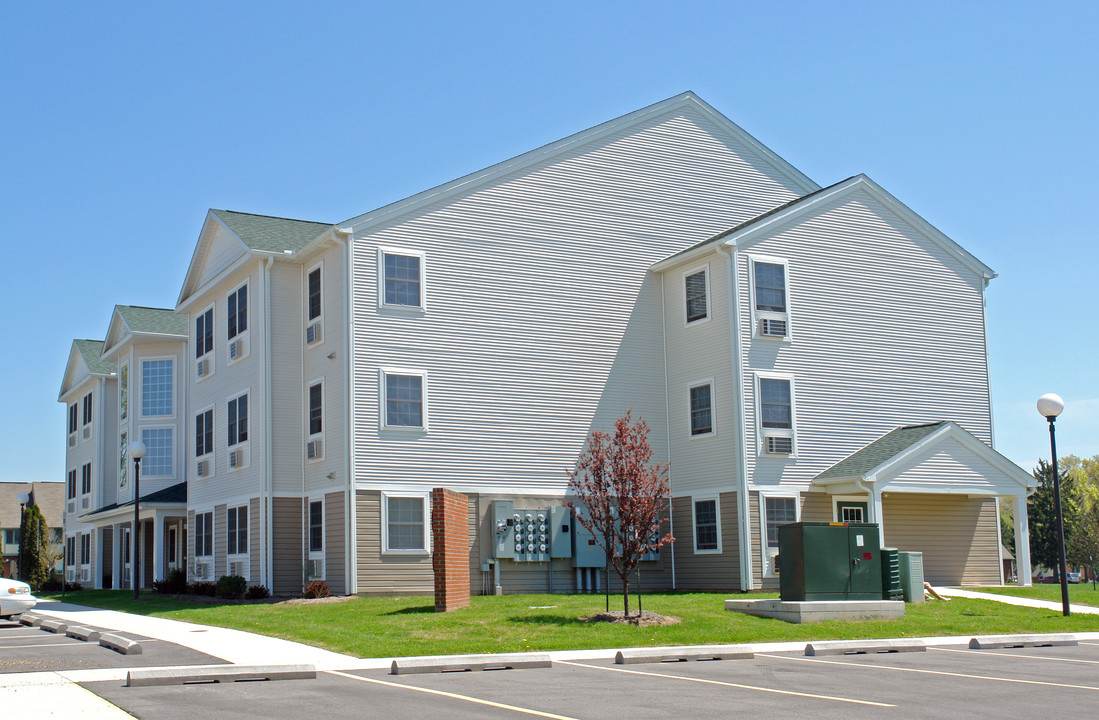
140, 432
235, 397
713, 409
762, 432
837, 499
213, 536
141, 388
124, 388
716, 500
319, 320
87, 426
316, 436
248, 294
209, 356
91, 479
758, 315
211, 454
705, 270
315, 554
238, 555
382, 252
426, 500
383, 423
765, 552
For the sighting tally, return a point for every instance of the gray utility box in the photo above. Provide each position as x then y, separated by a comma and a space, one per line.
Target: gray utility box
829, 561
911, 566
586, 552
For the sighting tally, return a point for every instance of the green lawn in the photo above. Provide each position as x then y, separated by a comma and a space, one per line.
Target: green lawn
385, 627
1079, 594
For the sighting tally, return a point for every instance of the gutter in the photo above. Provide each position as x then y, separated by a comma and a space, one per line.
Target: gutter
352, 554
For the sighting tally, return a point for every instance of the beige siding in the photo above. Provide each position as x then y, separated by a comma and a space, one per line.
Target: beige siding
958, 536
255, 544
220, 541
700, 571
334, 543
288, 415
816, 507
287, 548
389, 574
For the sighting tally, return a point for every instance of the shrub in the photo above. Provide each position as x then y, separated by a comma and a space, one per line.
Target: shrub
54, 585
316, 589
174, 584
231, 586
202, 587
257, 592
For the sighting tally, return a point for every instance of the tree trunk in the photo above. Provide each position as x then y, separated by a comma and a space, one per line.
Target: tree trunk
626, 595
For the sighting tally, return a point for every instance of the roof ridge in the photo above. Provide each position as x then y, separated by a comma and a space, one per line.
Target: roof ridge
271, 217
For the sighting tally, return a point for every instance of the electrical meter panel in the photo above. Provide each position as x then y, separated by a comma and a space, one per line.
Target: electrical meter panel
525, 535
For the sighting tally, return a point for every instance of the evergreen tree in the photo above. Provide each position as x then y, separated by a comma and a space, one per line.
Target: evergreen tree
35, 551
1042, 513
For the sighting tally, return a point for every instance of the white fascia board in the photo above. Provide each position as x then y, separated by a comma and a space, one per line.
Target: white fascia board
685, 257
687, 99
204, 237
328, 235
761, 230
478, 488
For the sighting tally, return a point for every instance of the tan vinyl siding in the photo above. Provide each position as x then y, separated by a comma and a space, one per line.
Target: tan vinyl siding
287, 547
287, 410
379, 573
220, 541
816, 507
706, 571
958, 536
334, 543
255, 542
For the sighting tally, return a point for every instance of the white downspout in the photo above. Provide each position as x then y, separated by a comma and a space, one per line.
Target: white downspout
304, 396
740, 442
268, 525
873, 505
352, 554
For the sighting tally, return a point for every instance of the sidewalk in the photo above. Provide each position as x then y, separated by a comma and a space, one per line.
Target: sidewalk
1023, 602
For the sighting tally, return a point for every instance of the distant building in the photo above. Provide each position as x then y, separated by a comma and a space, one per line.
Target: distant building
49, 496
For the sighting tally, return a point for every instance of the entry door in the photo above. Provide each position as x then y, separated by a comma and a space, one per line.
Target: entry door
847, 511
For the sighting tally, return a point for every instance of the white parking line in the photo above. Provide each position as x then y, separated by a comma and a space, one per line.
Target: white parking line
525, 711
930, 672
729, 684
56, 644
1015, 655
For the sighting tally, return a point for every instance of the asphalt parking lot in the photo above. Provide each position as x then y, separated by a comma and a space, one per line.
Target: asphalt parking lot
943, 681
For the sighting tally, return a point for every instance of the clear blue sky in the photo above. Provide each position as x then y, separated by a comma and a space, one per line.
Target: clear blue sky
123, 122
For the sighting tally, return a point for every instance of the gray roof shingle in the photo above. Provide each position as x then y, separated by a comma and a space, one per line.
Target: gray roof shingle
271, 234
91, 351
880, 451
154, 321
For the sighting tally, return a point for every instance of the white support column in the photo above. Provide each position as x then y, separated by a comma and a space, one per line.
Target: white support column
97, 567
1022, 541
116, 557
158, 545
875, 511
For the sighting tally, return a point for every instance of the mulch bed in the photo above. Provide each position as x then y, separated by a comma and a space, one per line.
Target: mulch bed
643, 619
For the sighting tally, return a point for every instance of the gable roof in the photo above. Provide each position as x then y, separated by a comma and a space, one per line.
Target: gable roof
85, 360
877, 453
153, 321
91, 351
686, 100
756, 229
264, 233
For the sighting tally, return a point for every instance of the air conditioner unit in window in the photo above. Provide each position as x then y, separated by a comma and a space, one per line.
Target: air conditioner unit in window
71, 507
202, 570
315, 569
87, 431
202, 368
778, 445
313, 333
70, 574
236, 459
84, 502
772, 565
202, 469
771, 327
85, 574
237, 568
314, 449
72, 440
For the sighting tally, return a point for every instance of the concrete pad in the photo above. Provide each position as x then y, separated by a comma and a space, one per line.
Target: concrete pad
864, 647
83, 633
54, 626
467, 663
124, 645
144, 677
633, 656
1013, 641
819, 610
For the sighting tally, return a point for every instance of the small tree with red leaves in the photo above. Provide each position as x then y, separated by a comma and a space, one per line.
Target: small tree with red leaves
625, 495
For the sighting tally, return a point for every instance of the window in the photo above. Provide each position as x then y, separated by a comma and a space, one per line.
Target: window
72, 484
316, 408
172, 534
11, 536
87, 408
706, 526
401, 278
405, 528
237, 530
404, 399
86, 479
238, 420
698, 306
204, 333
123, 455
72, 418
776, 408
316, 526
204, 534
237, 318
770, 286
702, 416
56, 535
70, 550
778, 511
123, 391
85, 549
313, 303
156, 387
204, 433
159, 452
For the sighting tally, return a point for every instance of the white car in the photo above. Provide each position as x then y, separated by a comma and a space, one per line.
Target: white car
15, 597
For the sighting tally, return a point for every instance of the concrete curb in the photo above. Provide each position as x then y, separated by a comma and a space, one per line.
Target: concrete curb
217, 674
631, 656
30, 619
83, 633
990, 642
864, 647
54, 626
126, 646
467, 663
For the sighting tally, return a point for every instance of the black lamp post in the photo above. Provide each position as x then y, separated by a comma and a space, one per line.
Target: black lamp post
137, 451
1050, 406
24, 498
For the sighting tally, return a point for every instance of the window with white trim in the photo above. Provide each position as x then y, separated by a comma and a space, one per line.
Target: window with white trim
236, 317
71, 488
707, 527
157, 387
316, 526
314, 305
204, 433
73, 418
86, 479
204, 534
774, 512
400, 279
85, 549
701, 398
159, 451
237, 418
204, 332
775, 412
87, 409
316, 408
236, 530
770, 297
697, 297
404, 519
404, 399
